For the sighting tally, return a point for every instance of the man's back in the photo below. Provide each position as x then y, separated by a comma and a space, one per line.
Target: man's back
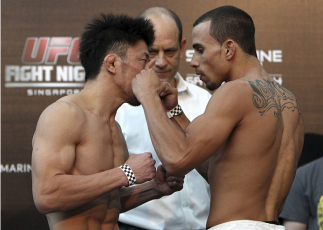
251, 174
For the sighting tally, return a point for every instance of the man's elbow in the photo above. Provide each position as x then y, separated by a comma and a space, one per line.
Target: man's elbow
43, 204
176, 165
174, 169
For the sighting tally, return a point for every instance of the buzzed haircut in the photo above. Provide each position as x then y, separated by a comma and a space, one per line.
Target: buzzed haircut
108, 33
155, 11
229, 22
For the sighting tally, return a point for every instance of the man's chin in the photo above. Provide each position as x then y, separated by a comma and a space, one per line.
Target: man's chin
164, 77
211, 86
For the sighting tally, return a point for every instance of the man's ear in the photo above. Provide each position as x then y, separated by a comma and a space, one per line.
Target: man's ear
182, 47
230, 49
109, 63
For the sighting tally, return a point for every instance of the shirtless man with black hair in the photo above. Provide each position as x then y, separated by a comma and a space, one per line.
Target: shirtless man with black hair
80, 162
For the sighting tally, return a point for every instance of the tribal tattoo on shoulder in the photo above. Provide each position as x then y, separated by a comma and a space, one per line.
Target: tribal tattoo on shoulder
269, 94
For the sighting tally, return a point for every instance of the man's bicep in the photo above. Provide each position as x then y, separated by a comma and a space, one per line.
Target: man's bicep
208, 132
54, 143
52, 156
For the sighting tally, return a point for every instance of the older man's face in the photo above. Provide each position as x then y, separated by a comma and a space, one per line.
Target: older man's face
166, 50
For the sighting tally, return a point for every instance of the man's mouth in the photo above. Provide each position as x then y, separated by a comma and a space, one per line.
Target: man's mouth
162, 72
200, 74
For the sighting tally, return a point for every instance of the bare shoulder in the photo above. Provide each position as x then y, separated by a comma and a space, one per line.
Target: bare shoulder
262, 94
268, 94
63, 111
61, 117
233, 89
232, 96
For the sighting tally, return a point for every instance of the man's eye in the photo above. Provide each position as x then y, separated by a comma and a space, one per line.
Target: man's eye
152, 53
170, 51
200, 50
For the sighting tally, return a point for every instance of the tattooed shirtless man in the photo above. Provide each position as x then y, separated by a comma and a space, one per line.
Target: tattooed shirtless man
248, 141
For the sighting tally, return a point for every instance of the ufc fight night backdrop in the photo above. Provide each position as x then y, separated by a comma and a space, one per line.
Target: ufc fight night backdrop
39, 65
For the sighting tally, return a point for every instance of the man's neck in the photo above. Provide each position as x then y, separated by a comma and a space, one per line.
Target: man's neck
101, 99
244, 68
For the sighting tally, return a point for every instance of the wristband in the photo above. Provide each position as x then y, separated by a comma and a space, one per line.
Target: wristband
129, 174
174, 112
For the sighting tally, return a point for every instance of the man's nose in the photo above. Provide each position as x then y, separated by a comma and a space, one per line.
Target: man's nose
194, 62
160, 60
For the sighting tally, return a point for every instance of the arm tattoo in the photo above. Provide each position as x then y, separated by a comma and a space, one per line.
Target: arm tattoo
269, 94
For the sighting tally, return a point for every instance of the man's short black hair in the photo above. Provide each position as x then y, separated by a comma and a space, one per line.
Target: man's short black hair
229, 22
108, 33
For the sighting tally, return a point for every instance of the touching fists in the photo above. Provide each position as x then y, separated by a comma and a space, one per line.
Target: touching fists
166, 184
142, 166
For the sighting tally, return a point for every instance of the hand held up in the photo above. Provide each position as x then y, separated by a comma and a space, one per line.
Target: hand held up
142, 166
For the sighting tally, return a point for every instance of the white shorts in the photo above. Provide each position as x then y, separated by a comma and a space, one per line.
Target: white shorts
247, 225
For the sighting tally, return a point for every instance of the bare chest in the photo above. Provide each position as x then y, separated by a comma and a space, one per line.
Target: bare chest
101, 148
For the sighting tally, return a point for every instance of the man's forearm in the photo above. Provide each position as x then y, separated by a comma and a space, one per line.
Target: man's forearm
167, 136
181, 121
65, 192
131, 197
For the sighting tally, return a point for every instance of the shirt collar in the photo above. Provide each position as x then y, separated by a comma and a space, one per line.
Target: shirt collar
181, 84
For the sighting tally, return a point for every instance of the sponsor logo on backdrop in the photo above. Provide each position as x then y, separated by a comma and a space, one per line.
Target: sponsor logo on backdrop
275, 56
38, 72
195, 79
16, 168
270, 56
